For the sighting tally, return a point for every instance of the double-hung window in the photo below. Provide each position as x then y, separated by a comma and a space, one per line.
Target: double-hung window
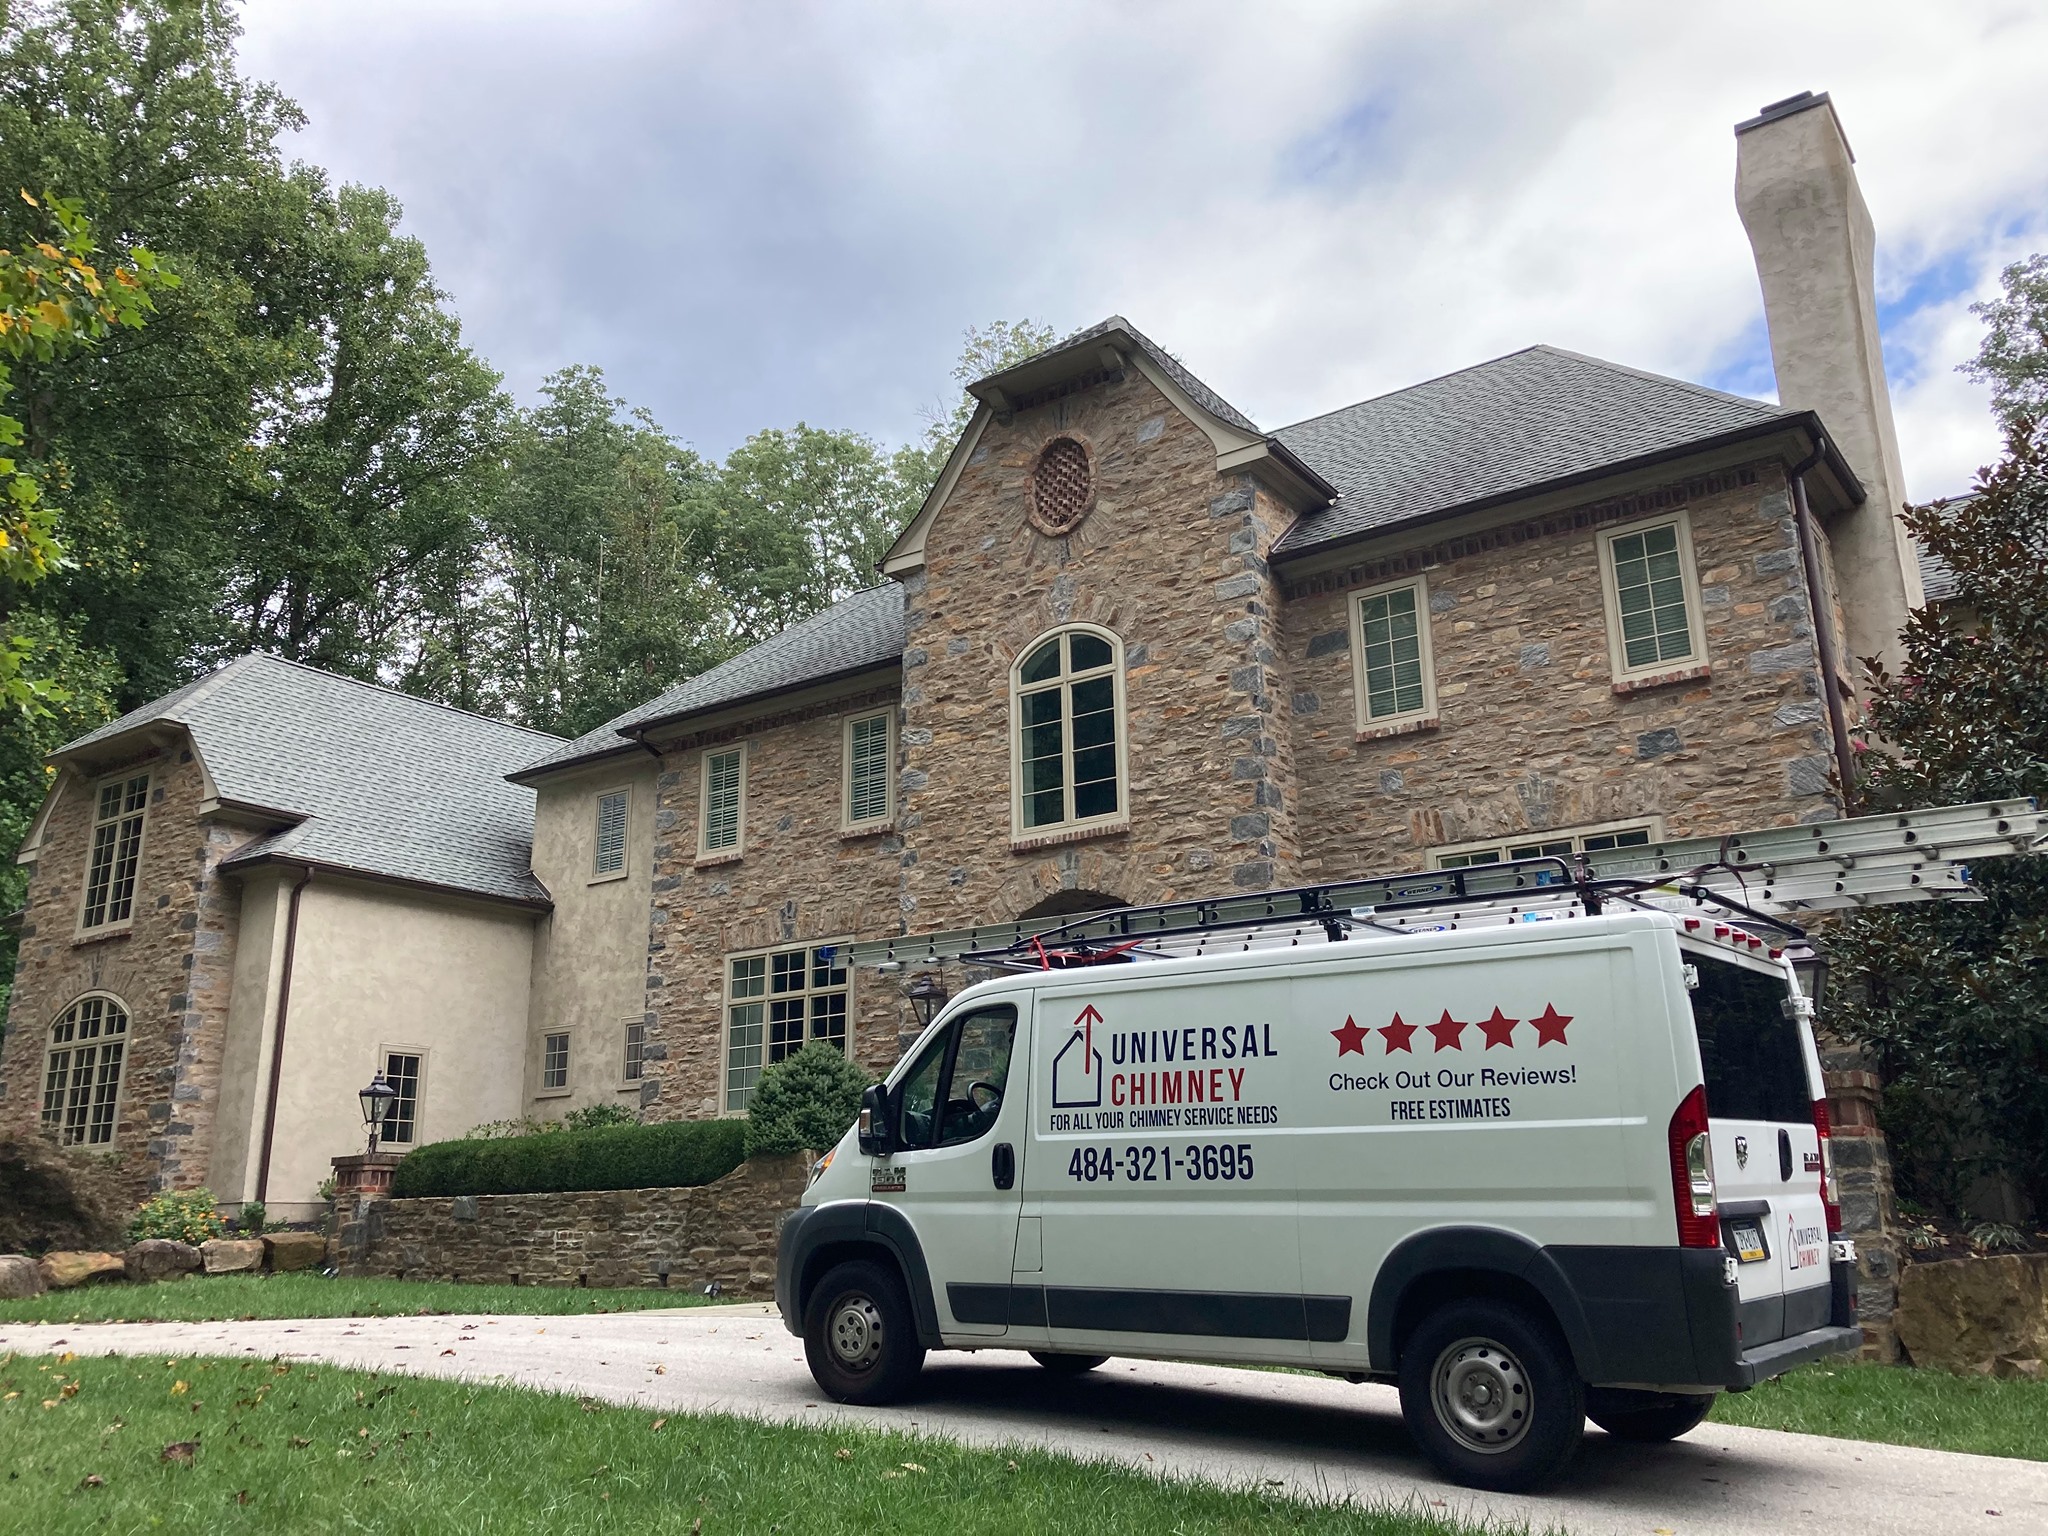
116, 852
609, 856
82, 1072
1392, 673
778, 1002
1652, 597
402, 1114
1068, 740
868, 762
721, 821
634, 1068
554, 1063
1552, 844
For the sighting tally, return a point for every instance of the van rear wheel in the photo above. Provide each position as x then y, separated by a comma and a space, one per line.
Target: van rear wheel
1067, 1365
1646, 1417
860, 1337
1490, 1393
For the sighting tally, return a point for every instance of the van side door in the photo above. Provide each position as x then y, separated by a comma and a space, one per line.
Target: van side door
958, 1172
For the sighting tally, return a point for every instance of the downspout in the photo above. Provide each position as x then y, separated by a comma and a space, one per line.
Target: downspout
1823, 623
284, 1004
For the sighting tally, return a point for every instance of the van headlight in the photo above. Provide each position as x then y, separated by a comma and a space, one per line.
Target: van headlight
818, 1168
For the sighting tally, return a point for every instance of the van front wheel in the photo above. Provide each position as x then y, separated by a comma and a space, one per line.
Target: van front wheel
859, 1336
1491, 1395
1645, 1417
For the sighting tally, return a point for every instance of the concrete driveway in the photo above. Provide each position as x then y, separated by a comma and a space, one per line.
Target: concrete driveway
1312, 1435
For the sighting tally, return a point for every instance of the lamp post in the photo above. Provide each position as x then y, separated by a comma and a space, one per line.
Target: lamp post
376, 1099
927, 995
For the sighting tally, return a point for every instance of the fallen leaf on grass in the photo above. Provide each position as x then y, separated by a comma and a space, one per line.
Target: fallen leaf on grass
656, 1426
590, 1405
892, 1472
180, 1388
300, 1442
447, 1351
911, 1466
1011, 1467
181, 1452
93, 1480
842, 1454
242, 1496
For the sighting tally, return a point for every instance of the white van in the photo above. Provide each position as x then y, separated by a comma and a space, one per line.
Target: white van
1531, 1172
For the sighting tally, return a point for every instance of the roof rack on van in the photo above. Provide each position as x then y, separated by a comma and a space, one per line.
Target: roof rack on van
1746, 880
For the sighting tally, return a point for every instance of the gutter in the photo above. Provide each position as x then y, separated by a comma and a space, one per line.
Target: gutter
1823, 621
284, 1008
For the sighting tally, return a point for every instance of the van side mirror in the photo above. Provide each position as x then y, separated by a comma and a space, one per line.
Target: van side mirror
875, 1137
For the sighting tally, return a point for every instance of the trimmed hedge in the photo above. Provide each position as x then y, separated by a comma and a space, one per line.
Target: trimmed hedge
672, 1155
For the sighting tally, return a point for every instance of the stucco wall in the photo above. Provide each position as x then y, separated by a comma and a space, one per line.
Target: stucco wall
590, 953
382, 966
252, 1012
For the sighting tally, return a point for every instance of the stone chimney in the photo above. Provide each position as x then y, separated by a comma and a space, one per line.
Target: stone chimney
1795, 184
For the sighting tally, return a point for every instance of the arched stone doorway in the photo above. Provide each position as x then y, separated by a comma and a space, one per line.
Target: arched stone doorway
1071, 904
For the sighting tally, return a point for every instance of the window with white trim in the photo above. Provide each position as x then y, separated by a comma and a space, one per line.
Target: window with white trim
554, 1063
1557, 844
635, 1065
609, 857
402, 1114
1066, 697
116, 852
868, 763
776, 1003
1392, 668
82, 1072
1652, 596
723, 798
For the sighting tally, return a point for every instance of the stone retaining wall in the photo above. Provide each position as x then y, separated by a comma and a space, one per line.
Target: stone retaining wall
680, 1239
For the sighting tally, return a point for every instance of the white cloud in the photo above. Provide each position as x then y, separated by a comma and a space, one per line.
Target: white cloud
752, 214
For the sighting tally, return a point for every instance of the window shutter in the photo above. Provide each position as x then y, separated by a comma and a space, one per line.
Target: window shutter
867, 796
611, 833
722, 801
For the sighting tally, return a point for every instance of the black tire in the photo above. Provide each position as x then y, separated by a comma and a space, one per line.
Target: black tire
1067, 1365
1490, 1393
860, 1336
1646, 1417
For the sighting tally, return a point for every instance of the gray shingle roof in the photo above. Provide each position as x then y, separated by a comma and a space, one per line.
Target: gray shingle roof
1492, 430
1171, 366
1937, 577
388, 784
857, 632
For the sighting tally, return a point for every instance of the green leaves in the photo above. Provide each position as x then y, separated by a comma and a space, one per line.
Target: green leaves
804, 1102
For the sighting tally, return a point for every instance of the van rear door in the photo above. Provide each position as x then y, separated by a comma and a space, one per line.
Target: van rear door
1761, 1082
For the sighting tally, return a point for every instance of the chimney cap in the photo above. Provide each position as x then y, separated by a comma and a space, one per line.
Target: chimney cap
1792, 106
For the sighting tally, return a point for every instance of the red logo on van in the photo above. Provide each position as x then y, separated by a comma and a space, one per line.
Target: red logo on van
1351, 1039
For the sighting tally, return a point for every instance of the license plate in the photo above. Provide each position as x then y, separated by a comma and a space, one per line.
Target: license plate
1749, 1243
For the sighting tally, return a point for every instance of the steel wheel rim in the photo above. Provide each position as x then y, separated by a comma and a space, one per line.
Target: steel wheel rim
1481, 1396
855, 1332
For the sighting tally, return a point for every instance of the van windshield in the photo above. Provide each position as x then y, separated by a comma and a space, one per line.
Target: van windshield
1755, 1066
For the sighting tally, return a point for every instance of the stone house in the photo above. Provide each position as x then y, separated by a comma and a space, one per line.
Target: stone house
1132, 647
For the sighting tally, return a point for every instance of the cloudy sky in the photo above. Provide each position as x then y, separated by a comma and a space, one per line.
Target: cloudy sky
754, 213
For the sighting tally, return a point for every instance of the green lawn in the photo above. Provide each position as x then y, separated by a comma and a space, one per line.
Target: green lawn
227, 1445
1900, 1406
202, 1299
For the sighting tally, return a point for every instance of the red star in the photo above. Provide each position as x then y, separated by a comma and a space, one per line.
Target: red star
1397, 1035
1550, 1026
1447, 1030
1500, 1030
1350, 1039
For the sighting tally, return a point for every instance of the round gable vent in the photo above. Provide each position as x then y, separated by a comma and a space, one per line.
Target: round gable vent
1062, 486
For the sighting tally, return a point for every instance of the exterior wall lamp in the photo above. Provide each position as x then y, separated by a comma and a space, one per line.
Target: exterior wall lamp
927, 995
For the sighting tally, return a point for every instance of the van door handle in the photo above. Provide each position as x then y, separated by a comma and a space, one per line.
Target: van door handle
1002, 1165
1784, 1154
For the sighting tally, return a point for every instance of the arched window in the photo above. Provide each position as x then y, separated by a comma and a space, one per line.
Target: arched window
1067, 702
82, 1073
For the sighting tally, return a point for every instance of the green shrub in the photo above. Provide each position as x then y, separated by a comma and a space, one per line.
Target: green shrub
186, 1216
595, 1117
253, 1219
804, 1102
668, 1156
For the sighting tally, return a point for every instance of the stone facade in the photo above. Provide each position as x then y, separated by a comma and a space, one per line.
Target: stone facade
172, 966
676, 1239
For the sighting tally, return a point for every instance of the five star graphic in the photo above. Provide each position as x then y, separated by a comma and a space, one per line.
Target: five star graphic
1499, 1030
1398, 1035
1350, 1039
1447, 1030
1550, 1026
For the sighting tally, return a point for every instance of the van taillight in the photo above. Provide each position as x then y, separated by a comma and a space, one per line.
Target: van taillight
1830, 1191
1692, 1174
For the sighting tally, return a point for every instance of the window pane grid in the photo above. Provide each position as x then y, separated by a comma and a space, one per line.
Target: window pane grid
722, 801
807, 998
1067, 733
1393, 654
82, 1072
402, 1072
611, 833
1560, 847
867, 786
116, 851
636, 1053
554, 1062
1649, 590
